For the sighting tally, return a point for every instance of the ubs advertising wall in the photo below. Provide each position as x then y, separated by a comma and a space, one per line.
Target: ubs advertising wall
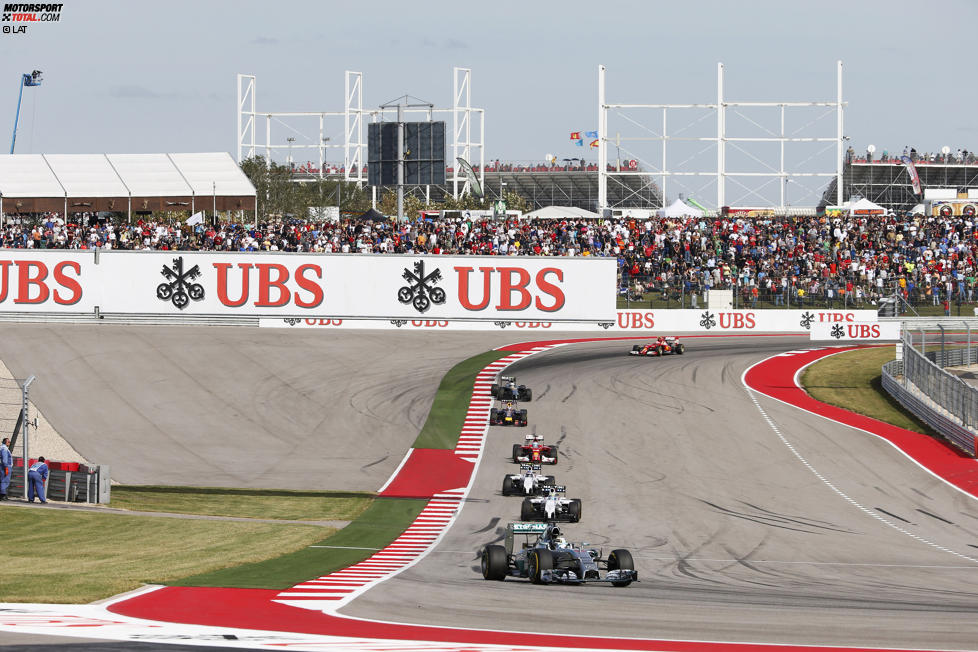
304, 286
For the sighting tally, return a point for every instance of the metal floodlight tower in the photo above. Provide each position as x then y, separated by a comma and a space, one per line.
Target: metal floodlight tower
26, 79
722, 138
462, 143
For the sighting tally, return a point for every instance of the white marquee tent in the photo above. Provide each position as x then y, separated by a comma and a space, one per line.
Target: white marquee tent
679, 208
122, 182
559, 213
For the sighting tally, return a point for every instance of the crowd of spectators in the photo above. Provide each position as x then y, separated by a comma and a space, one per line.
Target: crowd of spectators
781, 260
959, 156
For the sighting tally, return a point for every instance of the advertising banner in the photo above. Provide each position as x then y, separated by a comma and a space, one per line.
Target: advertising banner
859, 331
296, 285
660, 322
46, 281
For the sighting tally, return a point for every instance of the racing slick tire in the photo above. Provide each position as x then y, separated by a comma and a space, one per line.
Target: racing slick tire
574, 510
521, 421
493, 416
539, 559
526, 394
680, 349
636, 348
517, 449
620, 560
507, 486
553, 449
527, 513
493, 390
494, 563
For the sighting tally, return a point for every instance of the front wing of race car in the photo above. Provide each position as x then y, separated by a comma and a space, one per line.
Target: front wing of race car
564, 576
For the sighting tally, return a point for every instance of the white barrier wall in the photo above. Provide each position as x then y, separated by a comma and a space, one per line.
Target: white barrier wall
626, 321
296, 285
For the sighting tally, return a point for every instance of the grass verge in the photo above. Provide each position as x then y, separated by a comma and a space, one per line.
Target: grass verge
243, 503
53, 555
377, 526
853, 380
448, 410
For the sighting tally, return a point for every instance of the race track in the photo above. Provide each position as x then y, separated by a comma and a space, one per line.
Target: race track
793, 531
238, 407
735, 538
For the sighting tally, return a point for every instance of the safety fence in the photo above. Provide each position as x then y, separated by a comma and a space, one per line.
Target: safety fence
938, 398
69, 482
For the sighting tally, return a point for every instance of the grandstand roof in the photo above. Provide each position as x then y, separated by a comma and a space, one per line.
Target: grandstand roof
113, 181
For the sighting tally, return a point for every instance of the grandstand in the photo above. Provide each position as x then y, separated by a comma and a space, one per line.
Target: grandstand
539, 184
888, 184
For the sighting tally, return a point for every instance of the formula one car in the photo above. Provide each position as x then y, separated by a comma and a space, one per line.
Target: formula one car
508, 390
535, 451
662, 346
527, 483
508, 415
551, 507
551, 559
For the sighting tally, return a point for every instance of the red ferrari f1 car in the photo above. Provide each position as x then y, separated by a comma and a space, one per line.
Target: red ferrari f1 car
662, 346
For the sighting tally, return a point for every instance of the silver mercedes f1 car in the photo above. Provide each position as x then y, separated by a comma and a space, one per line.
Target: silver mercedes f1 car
550, 559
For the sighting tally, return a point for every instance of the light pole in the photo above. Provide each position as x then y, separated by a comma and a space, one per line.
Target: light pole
32, 79
291, 140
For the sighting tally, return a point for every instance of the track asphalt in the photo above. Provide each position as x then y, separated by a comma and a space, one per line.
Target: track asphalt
748, 521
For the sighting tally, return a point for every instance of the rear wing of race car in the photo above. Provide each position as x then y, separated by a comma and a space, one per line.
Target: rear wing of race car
507, 379
522, 528
559, 488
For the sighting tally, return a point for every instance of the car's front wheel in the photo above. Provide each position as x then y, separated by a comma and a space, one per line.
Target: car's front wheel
539, 559
620, 560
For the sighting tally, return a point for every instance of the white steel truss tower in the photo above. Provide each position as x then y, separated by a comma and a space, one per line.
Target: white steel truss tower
721, 138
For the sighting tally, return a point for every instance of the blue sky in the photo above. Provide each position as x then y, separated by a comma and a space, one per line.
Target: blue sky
145, 77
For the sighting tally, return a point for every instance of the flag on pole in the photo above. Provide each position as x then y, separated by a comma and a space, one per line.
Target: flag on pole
196, 218
912, 171
575, 135
579, 142
591, 134
594, 143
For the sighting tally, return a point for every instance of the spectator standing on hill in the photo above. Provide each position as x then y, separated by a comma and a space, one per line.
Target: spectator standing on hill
36, 477
6, 465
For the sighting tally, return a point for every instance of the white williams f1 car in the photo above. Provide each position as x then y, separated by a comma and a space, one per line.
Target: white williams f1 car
551, 507
527, 483
551, 559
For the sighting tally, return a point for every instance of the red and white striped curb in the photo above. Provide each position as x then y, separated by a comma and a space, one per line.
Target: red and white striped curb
330, 592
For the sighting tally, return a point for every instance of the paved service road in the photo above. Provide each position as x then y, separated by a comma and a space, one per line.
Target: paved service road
734, 537
239, 407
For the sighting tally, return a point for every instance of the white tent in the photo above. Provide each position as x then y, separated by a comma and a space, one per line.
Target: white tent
560, 213
679, 208
866, 207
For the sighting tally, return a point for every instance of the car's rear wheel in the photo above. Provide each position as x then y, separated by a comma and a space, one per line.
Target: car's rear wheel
527, 513
539, 559
494, 563
620, 560
493, 390
553, 454
636, 348
574, 510
680, 349
493, 416
522, 419
527, 395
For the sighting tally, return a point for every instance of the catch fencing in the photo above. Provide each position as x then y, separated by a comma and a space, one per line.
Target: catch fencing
940, 399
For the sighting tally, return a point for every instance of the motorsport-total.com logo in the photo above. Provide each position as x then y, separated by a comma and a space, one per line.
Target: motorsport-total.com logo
20, 14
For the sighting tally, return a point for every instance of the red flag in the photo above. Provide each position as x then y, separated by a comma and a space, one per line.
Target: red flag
575, 135
594, 143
